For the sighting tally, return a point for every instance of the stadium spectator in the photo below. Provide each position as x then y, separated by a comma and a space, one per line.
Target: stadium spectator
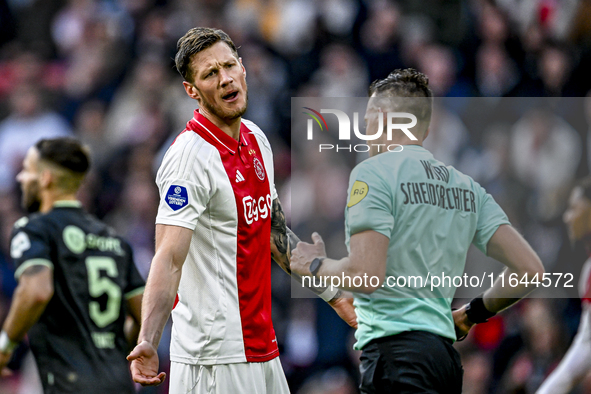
73, 274
496, 74
406, 333
28, 122
341, 73
212, 255
545, 143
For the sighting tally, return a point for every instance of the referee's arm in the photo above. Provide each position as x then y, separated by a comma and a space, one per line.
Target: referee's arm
367, 259
510, 248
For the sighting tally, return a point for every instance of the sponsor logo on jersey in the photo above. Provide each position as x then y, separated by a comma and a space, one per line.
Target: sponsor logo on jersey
74, 238
256, 208
78, 241
259, 169
20, 243
239, 177
176, 197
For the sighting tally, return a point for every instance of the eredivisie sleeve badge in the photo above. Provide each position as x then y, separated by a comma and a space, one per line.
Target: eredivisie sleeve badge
176, 197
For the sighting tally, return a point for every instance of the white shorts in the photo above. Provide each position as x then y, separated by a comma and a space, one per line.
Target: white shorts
239, 378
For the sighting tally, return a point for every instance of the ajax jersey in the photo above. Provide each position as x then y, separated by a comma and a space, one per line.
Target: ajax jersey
222, 189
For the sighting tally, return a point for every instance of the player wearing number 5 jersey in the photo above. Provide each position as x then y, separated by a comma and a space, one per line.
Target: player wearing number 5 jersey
77, 280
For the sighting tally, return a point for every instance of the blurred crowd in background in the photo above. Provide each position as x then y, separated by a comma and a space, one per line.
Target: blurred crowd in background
103, 71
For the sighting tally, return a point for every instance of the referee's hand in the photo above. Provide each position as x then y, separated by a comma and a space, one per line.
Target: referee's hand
304, 253
461, 322
144, 365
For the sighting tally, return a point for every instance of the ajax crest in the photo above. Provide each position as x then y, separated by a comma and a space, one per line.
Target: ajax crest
259, 169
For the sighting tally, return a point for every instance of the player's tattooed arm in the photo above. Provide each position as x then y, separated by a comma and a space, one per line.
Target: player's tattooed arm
283, 240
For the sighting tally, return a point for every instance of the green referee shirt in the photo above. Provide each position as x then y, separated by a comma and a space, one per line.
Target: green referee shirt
431, 213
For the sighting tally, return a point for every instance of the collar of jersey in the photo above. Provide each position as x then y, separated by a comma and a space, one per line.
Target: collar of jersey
67, 204
214, 135
413, 146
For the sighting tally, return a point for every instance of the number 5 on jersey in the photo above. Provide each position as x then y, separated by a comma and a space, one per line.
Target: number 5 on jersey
99, 285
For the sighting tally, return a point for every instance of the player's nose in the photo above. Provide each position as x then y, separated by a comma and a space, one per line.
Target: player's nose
225, 78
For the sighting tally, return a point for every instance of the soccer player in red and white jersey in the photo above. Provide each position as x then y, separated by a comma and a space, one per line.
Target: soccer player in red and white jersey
577, 361
218, 224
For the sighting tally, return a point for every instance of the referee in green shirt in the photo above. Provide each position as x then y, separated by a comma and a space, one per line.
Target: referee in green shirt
409, 215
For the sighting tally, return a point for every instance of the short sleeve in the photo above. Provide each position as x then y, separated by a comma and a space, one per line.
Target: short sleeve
29, 246
370, 203
490, 217
135, 283
181, 202
183, 183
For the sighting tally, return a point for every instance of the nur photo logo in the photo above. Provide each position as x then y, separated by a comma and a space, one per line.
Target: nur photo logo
393, 122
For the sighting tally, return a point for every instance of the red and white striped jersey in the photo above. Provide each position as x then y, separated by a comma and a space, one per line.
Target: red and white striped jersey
222, 189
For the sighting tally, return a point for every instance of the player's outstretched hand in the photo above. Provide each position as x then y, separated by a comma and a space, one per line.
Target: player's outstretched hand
304, 253
343, 306
461, 322
144, 365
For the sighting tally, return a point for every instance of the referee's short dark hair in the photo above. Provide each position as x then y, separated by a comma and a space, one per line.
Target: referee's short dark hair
406, 83
194, 41
69, 156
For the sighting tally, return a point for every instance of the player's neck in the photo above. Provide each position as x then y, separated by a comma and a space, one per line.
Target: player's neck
230, 126
402, 139
395, 142
50, 197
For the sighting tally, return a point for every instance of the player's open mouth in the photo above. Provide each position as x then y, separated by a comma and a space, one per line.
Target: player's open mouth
230, 96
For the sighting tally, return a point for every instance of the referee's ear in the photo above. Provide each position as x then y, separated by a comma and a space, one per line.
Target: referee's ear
191, 90
426, 133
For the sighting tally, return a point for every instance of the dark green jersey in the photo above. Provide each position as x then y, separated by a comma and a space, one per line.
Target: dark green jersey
78, 342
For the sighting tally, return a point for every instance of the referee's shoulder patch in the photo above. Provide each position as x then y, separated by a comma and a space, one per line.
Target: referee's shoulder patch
176, 197
358, 193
